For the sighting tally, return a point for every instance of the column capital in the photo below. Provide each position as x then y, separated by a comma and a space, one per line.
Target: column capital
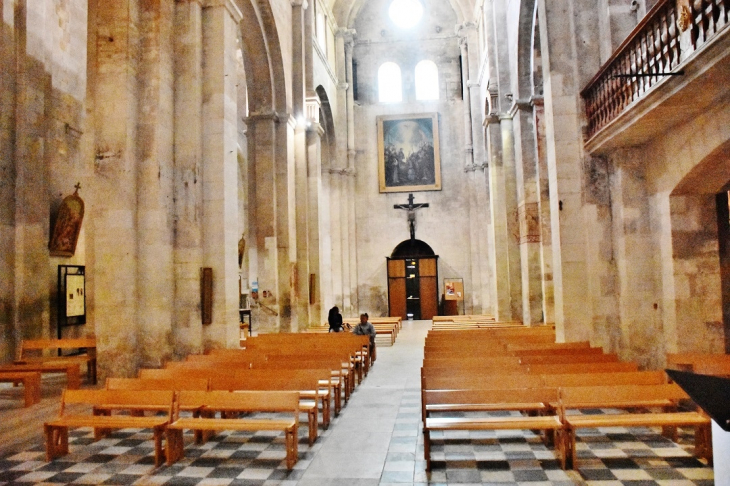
269, 115
199, 2
229, 5
343, 86
491, 119
315, 129
520, 105
462, 30
300, 3
348, 35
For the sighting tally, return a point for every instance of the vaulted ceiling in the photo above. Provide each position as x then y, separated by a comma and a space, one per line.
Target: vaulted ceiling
346, 10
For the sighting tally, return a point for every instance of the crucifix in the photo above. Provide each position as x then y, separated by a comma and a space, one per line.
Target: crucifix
411, 208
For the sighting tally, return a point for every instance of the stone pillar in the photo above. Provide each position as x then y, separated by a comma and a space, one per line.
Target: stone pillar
528, 212
300, 211
220, 168
28, 147
546, 252
314, 196
640, 320
335, 193
476, 188
188, 184
8, 66
570, 58
506, 184
261, 135
113, 250
155, 183
349, 230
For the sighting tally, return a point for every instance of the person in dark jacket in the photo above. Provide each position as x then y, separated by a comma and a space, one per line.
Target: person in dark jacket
334, 319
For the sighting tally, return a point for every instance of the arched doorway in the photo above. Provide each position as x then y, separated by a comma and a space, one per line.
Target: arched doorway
413, 281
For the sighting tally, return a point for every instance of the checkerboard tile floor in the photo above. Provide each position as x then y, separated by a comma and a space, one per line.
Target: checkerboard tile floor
612, 457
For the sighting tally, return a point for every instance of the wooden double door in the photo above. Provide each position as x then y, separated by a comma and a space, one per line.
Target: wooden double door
413, 287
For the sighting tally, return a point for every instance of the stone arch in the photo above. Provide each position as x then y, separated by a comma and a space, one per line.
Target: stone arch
329, 145
696, 276
264, 72
525, 44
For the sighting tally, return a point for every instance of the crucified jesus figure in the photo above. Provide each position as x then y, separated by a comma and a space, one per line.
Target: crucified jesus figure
411, 208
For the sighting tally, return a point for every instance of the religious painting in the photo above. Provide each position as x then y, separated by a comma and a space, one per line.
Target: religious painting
408, 153
68, 226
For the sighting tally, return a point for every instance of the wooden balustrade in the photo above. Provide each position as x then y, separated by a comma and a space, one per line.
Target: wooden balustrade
652, 50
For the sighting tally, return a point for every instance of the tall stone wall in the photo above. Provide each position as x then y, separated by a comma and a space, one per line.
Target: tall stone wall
445, 224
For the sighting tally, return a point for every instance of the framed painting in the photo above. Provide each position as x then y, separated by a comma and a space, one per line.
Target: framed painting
408, 153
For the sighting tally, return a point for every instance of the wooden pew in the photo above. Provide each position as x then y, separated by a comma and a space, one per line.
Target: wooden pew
688, 361
72, 369
56, 431
716, 369
337, 377
567, 368
548, 359
31, 381
35, 351
229, 403
628, 397
512, 399
301, 381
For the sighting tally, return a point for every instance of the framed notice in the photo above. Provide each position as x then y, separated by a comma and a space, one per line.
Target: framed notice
454, 289
71, 302
75, 296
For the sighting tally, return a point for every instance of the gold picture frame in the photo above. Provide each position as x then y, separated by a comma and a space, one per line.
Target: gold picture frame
409, 153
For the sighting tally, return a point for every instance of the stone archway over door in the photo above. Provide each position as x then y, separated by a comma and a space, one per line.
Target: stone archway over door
413, 281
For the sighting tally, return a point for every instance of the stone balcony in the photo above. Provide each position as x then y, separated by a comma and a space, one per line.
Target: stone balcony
673, 66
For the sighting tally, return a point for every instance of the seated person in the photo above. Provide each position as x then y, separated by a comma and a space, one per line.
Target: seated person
334, 319
366, 329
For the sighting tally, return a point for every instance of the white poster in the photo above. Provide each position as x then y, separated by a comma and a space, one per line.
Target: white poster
75, 296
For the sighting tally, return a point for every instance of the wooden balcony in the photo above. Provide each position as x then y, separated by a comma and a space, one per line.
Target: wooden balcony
672, 47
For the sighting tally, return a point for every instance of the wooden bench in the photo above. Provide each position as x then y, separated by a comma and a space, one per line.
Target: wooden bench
56, 431
34, 351
305, 382
229, 403
493, 400
31, 381
627, 397
72, 369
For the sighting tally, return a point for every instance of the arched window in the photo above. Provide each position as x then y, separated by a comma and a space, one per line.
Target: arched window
427, 81
389, 83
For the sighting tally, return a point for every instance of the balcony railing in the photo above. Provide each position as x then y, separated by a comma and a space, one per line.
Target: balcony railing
666, 36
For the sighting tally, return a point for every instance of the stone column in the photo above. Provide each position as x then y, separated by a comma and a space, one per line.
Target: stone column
220, 168
261, 136
8, 66
188, 254
349, 230
570, 58
300, 291
546, 252
477, 304
113, 251
28, 147
635, 283
314, 193
155, 183
528, 212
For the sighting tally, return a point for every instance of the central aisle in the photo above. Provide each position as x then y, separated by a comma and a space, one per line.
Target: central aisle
376, 438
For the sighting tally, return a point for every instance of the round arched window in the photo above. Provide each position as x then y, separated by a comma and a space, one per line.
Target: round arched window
406, 13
